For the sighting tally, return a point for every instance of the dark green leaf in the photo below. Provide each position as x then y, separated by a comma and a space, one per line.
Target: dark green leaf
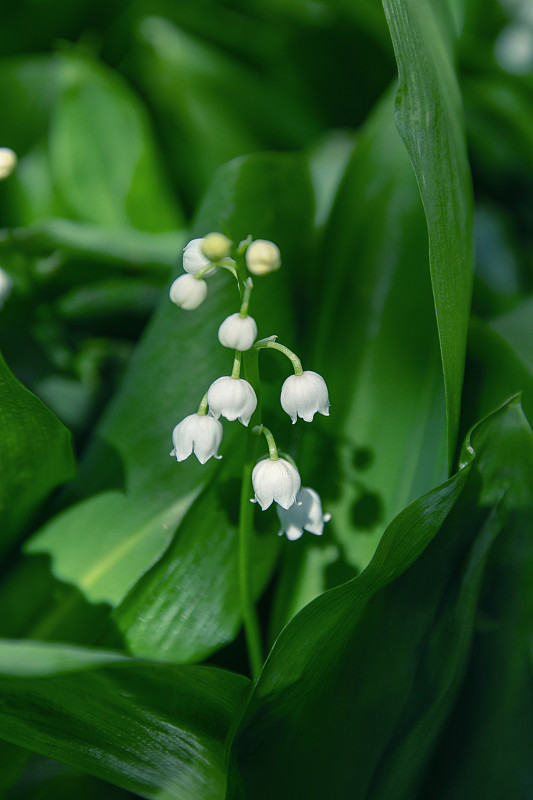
156, 730
430, 120
360, 683
35, 455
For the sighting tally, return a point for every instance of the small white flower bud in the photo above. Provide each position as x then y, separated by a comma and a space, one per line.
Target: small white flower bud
263, 257
238, 333
304, 395
188, 292
216, 246
194, 260
275, 481
233, 398
305, 515
8, 161
197, 433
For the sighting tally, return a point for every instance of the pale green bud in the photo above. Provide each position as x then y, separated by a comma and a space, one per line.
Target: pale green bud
216, 246
263, 257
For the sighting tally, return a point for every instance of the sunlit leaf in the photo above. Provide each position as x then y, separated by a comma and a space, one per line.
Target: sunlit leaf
430, 120
156, 730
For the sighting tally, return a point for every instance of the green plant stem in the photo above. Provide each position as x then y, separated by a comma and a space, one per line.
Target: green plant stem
270, 344
249, 614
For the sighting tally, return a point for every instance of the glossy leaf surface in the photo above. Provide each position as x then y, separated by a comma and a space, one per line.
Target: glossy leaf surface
430, 119
359, 684
154, 729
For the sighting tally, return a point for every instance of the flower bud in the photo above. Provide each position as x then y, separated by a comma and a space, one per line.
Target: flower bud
188, 292
194, 260
8, 161
303, 395
305, 515
216, 246
263, 257
233, 398
197, 433
275, 481
237, 333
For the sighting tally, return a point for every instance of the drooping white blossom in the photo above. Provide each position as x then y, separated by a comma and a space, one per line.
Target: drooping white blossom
8, 161
198, 433
303, 395
194, 260
237, 332
275, 481
188, 292
262, 257
232, 398
304, 515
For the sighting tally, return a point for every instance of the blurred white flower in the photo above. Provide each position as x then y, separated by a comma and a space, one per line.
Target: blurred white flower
197, 433
238, 333
6, 284
303, 395
8, 161
304, 515
194, 260
233, 398
262, 257
275, 481
188, 292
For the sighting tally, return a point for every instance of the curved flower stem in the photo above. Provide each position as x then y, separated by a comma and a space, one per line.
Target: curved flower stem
272, 345
272, 449
248, 286
202, 408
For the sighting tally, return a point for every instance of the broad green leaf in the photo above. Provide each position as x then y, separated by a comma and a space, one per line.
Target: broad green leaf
157, 730
358, 686
375, 342
138, 503
102, 154
35, 456
47, 778
430, 120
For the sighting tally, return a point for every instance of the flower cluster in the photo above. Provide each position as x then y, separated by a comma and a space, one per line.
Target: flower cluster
303, 394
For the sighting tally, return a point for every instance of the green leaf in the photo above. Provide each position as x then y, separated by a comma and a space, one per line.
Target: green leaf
157, 730
430, 120
35, 456
376, 343
140, 544
358, 686
102, 155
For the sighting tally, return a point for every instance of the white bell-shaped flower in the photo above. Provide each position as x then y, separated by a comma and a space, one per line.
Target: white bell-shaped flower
188, 292
262, 257
194, 260
198, 433
303, 395
275, 481
232, 398
237, 332
305, 515
216, 246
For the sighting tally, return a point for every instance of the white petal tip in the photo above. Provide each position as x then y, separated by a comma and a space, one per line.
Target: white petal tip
327, 517
173, 452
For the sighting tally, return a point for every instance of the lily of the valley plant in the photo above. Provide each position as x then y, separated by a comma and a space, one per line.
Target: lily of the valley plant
271, 479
